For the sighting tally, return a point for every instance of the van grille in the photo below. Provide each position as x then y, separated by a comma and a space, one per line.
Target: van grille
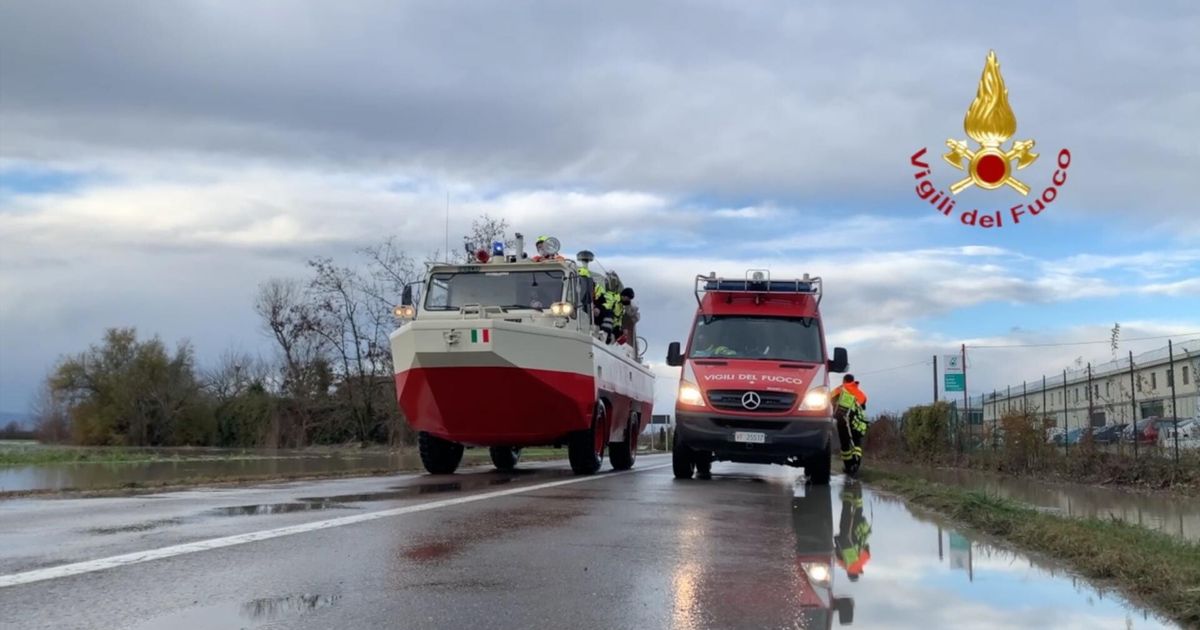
731, 400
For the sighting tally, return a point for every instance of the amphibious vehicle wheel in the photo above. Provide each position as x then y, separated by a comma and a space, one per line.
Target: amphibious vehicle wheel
585, 449
505, 457
818, 467
623, 454
440, 457
682, 460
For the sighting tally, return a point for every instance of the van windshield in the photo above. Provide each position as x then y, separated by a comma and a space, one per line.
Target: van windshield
507, 289
763, 338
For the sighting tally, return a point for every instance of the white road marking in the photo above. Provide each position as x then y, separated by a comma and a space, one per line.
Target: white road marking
90, 566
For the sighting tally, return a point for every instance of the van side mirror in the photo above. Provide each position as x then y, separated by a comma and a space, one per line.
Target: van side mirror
406, 297
674, 357
840, 362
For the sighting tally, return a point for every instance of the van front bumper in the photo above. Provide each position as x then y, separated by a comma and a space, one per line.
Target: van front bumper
784, 440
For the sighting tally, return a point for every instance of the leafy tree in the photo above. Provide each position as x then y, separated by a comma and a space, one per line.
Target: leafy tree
125, 391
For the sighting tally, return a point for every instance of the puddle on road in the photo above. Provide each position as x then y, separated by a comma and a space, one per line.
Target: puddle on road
272, 608
144, 526
267, 611
869, 561
276, 508
1176, 516
404, 492
311, 504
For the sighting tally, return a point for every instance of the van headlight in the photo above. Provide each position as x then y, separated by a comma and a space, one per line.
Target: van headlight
816, 399
818, 572
404, 312
689, 394
562, 309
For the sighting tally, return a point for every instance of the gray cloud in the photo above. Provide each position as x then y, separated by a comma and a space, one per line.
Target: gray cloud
780, 100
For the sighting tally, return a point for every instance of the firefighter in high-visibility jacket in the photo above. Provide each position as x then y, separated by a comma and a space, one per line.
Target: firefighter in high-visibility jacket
852, 544
605, 305
849, 412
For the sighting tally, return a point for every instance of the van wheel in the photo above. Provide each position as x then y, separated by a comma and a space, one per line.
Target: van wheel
623, 454
703, 464
818, 468
440, 457
682, 460
505, 457
585, 449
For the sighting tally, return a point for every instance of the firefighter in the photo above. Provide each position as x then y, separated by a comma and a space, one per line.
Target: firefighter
849, 411
852, 545
626, 315
606, 304
540, 246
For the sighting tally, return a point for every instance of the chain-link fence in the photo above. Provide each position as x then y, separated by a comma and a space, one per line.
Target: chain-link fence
1136, 416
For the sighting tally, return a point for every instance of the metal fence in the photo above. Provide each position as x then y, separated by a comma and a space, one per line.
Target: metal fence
1145, 405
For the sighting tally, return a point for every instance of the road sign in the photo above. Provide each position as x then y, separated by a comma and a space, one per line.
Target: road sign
955, 382
952, 362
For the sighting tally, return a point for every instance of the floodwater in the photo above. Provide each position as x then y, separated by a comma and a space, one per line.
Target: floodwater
924, 572
219, 463
1173, 515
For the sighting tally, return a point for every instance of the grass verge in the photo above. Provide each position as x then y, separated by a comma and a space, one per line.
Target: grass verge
1160, 570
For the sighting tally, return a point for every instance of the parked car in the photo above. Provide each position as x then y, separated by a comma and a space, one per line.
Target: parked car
1109, 434
1189, 430
1147, 431
1070, 437
1054, 435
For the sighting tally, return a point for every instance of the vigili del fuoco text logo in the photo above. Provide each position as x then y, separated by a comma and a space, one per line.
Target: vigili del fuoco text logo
990, 122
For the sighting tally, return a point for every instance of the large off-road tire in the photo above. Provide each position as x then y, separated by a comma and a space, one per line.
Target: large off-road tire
585, 449
505, 457
683, 461
440, 457
818, 468
623, 454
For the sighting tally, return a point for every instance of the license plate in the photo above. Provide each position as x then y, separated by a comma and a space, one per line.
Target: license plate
749, 437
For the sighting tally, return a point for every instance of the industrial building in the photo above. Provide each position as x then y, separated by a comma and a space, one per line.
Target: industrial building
1110, 393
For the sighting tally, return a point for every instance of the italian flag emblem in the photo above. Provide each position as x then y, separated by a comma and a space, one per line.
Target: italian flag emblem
481, 335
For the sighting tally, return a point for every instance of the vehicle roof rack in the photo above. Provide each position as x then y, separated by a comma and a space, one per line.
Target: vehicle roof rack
758, 281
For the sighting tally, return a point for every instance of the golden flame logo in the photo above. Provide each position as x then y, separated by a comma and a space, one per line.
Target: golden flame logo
990, 122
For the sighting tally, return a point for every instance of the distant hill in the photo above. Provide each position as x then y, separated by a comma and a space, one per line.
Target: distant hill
24, 420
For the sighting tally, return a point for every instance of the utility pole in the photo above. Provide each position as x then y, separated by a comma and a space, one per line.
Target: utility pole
966, 401
1045, 409
935, 387
1174, 411
1090, 407
1066, 417
1133, 404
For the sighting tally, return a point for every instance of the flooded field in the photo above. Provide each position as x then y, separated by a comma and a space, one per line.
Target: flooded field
1177, 516
171, 465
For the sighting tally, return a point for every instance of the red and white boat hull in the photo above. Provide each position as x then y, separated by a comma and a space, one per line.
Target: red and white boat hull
495, 383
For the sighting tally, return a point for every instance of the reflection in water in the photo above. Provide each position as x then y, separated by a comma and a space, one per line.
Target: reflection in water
741, 573
271, 608
1177, 516
853, 544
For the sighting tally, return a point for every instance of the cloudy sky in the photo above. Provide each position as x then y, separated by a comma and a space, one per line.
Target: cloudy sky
159, 160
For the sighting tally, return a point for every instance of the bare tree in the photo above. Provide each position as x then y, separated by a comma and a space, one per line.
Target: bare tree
234, 373
344, 318
486, 230
289, 319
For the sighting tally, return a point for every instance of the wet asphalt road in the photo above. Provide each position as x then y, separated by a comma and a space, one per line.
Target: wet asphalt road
491, 550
